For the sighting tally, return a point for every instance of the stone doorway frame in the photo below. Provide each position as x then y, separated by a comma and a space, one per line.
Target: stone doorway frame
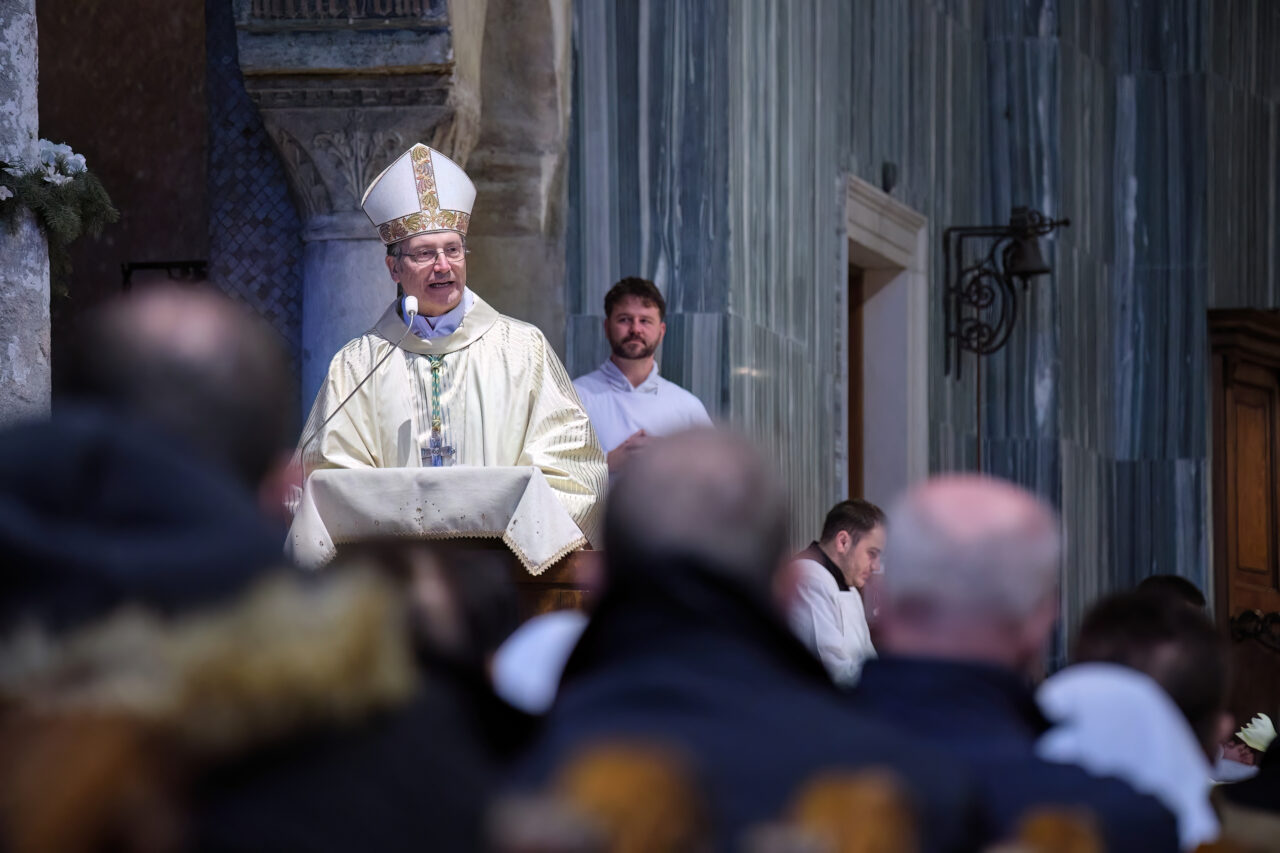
890, 243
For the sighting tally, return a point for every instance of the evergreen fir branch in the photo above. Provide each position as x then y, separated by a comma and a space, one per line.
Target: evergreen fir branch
63, 211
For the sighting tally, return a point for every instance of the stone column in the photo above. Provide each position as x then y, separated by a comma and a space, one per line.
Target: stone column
520, 161
345, 86
24, 268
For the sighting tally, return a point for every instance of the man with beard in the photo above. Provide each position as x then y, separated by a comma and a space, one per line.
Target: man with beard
626, 399
469, 386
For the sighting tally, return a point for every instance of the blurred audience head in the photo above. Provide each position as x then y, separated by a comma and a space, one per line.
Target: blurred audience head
1174, 586
1175, 645
193, 363
975, 568
463, 602
703, 499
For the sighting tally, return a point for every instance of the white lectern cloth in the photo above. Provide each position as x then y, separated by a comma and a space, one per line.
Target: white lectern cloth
516, 505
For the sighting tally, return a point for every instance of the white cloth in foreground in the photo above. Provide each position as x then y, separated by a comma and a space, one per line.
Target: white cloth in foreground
492, 393
1116, 721
831, 622
527, 667
618, 410
1226, 770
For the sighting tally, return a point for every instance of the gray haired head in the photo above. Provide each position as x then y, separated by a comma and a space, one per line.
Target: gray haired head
704, 497
972, 546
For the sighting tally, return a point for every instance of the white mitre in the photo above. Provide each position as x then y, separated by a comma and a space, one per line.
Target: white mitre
422, 191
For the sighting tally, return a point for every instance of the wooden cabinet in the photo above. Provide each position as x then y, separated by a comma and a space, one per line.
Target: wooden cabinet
1245, 347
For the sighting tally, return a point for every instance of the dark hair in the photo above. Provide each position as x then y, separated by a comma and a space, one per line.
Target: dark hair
1174, 644
483, 597
235, 402
641, 288
1174, 586
855, 517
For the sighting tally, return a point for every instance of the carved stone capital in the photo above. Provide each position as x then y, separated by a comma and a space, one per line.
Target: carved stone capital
344, 86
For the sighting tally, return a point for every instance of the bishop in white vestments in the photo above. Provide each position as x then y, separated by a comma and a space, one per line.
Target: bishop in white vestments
458, 383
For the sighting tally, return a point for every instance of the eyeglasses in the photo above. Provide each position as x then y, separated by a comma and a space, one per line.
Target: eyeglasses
422, 257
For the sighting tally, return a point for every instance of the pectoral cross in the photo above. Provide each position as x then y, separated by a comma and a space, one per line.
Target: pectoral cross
437, 454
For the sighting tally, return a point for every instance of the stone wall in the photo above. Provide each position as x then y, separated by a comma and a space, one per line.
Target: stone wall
518, 164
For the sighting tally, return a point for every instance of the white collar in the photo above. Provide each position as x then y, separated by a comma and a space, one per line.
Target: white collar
447, 323
619, 380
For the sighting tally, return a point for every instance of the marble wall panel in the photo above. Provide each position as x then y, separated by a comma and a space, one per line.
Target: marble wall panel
1243, 102
648, 161
585, 345
1153, 126
693, 355
786, 269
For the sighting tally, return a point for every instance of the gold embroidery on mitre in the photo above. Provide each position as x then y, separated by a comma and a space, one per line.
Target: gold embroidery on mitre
423, 222
431, 217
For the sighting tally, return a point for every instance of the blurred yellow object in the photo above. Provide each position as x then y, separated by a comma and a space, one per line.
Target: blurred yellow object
1058, 830
1259, 733
644, 797
856, 813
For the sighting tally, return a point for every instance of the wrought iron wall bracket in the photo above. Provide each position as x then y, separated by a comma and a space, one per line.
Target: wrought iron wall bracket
980, 301
1256, 625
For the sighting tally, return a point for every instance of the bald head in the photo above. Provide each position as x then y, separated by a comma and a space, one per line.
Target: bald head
972, 546
196, 365
705, 496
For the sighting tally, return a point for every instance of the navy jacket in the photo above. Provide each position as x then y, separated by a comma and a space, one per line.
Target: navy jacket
414, 778
988, 718
698, 666
97, 511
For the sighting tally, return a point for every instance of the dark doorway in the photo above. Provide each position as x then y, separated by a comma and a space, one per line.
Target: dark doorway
856, 283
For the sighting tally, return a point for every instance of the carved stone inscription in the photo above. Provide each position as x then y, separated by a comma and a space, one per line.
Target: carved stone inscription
313, 10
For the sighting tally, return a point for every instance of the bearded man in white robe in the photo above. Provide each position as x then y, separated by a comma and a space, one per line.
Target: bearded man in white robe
460, 383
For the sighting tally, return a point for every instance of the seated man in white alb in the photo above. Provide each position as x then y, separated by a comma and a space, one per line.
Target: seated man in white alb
827, 613
468, 386
626, 399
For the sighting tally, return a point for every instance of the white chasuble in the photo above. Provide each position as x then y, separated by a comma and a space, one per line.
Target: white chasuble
491, 393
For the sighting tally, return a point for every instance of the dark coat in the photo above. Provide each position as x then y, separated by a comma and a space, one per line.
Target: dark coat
97, 511
694, 664
419, 777
988, 718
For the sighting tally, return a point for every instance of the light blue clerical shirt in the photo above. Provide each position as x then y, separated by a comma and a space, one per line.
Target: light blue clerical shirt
617, 410
447, 323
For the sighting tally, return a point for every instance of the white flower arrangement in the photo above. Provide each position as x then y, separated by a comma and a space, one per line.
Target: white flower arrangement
1259, 733
59, 163
66, 199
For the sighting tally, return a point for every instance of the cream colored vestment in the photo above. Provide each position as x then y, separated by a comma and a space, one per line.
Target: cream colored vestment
504, 399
